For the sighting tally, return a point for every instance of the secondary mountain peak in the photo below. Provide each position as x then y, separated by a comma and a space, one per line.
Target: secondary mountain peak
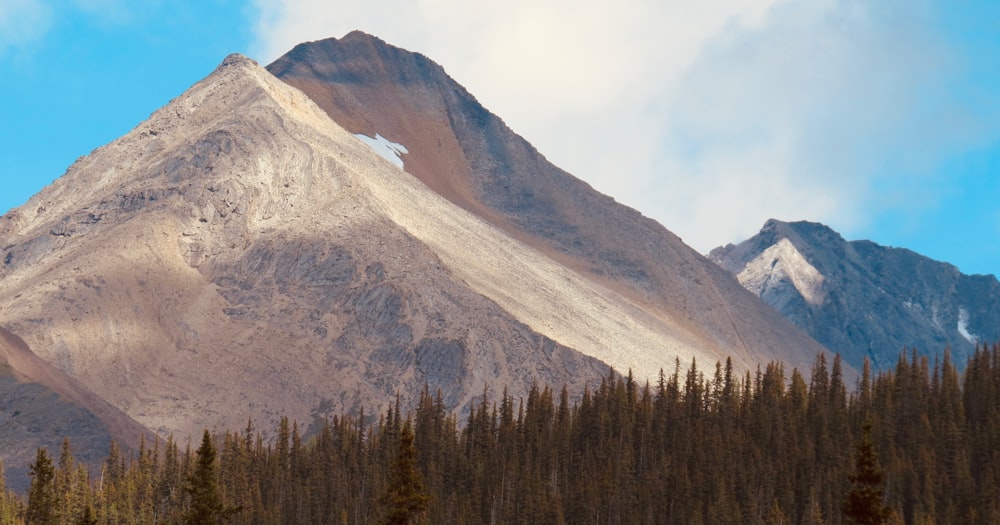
862, 299
801, 231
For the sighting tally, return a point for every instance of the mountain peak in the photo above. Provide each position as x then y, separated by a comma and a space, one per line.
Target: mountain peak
358, 35
242, 237
862, 299
236, 59
798, 231
182, 141
240, 219
469, 156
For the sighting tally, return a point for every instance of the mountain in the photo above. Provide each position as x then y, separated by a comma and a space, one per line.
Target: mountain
469, 156
40, 405
240, 255
862, 299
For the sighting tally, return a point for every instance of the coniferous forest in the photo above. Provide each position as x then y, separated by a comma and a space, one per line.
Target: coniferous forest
919, 443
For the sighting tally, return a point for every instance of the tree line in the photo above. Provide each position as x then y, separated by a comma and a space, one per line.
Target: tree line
700, 446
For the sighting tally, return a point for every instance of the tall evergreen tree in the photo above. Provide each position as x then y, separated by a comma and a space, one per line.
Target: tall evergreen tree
864, 503
206, 503
406, 496
42, 498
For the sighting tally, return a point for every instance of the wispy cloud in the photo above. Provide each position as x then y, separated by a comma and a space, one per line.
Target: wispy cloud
22, 22
805, 116
25, 23
708, 116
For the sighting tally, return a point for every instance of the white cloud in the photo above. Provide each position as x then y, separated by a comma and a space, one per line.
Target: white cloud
801, 117
710, 116
22, 22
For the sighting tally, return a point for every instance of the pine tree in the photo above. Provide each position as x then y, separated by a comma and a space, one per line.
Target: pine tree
206, 503
864, 503
42, 497
406, 496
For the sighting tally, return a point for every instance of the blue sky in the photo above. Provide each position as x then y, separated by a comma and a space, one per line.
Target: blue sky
880, 119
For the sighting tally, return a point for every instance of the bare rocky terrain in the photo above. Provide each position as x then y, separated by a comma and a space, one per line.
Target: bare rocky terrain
239, 255
862, 299
469, 156
40, 405
242, 255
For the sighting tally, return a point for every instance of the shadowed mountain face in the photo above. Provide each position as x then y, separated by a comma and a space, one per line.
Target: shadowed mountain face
40, 405
469, 156
861, 299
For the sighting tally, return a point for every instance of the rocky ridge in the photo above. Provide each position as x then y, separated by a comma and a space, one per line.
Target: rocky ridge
862, 299
40, 405
236, 256
239, 255
469, 156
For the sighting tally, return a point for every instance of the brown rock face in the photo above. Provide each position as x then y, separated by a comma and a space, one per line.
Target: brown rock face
469, 156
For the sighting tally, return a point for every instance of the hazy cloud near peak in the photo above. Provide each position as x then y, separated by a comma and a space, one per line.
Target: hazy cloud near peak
709, 116
22, 22
803, 113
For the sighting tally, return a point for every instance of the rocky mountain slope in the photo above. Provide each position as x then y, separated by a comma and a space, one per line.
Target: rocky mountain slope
241, 255
862, 299
469, 156
40, 405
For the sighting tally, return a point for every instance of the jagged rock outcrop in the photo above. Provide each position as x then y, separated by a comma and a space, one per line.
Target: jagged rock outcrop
861, 299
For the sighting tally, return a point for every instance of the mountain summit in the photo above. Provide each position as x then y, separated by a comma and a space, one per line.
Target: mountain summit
862, 299
470, 157
242, 255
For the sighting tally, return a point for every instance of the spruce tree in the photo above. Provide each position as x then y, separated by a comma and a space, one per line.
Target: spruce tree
206, 502
42, 498
864, 503
406, 497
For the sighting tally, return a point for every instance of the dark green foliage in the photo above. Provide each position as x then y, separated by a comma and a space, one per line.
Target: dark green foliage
43, 502
864, 503
206, 507
701, 446
406, 497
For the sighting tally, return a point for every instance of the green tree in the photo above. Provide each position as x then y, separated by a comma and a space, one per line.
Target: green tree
406, 496
42, 497
206, 503
864, 503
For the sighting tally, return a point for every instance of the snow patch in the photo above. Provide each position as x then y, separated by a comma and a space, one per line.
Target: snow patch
782, 263
963, 326
390, 151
